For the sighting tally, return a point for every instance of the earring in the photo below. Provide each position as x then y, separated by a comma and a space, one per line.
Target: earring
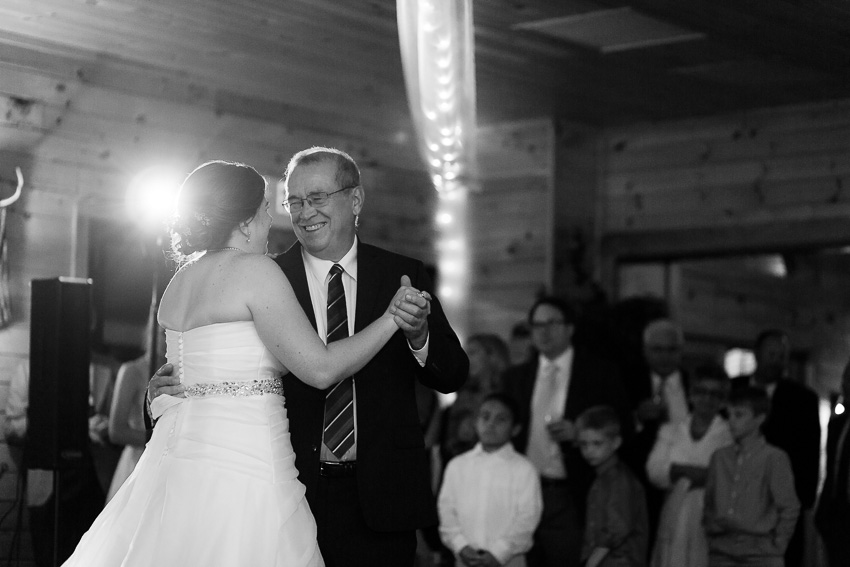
248, 237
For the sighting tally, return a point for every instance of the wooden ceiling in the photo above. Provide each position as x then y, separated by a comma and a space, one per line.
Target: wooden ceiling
335, 66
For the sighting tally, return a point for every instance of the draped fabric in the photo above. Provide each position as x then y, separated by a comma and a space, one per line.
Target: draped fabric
217, 484
437, 51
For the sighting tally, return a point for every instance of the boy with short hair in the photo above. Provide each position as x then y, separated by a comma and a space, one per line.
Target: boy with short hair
490, 502
617, 527
751, 507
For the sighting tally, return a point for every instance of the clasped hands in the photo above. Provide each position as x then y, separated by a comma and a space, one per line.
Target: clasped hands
477, 557
410, 309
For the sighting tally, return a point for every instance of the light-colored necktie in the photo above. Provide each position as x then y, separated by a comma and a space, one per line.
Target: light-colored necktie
541, 447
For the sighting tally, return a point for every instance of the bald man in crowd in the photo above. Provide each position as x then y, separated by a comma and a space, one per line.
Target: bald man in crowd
660, 396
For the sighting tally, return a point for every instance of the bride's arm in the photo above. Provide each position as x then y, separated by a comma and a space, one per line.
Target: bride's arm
286, 332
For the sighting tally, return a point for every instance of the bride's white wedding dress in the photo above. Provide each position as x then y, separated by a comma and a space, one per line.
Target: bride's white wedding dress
216, 485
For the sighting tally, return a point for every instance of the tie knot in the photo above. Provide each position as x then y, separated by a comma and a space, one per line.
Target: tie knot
550, 368
336, 269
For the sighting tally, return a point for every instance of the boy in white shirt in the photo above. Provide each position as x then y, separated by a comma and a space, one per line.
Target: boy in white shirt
490, 502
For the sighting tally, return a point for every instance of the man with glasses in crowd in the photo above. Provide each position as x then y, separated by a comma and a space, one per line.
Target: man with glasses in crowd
552, 389
359, 448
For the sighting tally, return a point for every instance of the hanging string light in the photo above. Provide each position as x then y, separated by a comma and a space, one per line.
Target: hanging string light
437, 46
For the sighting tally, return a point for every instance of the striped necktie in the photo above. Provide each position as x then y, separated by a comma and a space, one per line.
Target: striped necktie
339, 403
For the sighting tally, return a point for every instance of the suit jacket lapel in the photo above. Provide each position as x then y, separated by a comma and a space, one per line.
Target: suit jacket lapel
369, 281
292, 264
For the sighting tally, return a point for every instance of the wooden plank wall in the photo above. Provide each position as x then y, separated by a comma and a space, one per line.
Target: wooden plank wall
760, 167
81, 137
735, 184
511, 220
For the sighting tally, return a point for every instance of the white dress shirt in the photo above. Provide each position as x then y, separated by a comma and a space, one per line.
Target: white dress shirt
490, 501
318, 274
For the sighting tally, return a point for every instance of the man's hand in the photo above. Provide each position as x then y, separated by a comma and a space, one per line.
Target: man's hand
562, 431
486, 559
651, 410
411, 315
164, 382
470, 557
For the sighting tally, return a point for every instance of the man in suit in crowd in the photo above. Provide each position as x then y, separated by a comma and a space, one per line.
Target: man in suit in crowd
833, 513
793, 423
552, 389
660, 395
370, 491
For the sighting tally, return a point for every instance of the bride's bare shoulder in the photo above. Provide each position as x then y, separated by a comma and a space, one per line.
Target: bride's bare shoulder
260, 269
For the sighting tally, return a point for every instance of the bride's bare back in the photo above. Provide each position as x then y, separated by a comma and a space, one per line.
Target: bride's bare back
228, 285
206, 291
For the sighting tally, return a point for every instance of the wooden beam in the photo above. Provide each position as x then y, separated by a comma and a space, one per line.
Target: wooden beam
723, 241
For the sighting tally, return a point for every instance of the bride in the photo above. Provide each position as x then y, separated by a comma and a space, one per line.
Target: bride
216, 485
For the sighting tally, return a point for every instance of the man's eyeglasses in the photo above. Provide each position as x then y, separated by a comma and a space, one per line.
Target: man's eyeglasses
314, 199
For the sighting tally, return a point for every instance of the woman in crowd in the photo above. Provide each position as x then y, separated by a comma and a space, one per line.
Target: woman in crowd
126, 424
488, 359
678, 463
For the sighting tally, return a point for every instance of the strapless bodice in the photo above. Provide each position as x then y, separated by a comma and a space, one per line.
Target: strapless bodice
221, 352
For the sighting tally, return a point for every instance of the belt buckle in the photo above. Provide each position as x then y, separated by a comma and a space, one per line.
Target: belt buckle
337, 468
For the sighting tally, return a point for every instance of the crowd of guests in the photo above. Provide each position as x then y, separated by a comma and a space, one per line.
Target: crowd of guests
557, 460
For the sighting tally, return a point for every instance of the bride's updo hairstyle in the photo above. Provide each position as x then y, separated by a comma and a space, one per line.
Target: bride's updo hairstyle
213, 200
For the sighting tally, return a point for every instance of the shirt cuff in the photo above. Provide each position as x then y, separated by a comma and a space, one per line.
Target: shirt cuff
421, 355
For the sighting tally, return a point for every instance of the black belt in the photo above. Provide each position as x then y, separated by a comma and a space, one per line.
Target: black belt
335, 469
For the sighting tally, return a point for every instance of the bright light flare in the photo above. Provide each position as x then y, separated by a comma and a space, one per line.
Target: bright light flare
839, 408
151, 196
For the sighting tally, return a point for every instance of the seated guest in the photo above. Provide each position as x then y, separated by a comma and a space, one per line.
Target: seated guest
521, 348
833, 513
126, 422
80, 494
490, 501
678, 464
552, 389
750, 504
616, 531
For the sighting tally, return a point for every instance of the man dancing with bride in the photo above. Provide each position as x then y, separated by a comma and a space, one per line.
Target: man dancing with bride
217, 483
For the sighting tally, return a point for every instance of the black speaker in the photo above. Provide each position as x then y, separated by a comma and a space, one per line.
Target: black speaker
57, 428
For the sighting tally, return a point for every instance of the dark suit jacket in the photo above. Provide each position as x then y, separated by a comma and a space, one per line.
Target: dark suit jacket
392, 469
833, 514
593, 381
794, 426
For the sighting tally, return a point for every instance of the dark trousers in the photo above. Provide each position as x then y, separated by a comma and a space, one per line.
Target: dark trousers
558, 538
344, 538
796, 545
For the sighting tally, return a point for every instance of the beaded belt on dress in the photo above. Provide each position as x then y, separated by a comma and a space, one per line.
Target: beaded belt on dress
240, 388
